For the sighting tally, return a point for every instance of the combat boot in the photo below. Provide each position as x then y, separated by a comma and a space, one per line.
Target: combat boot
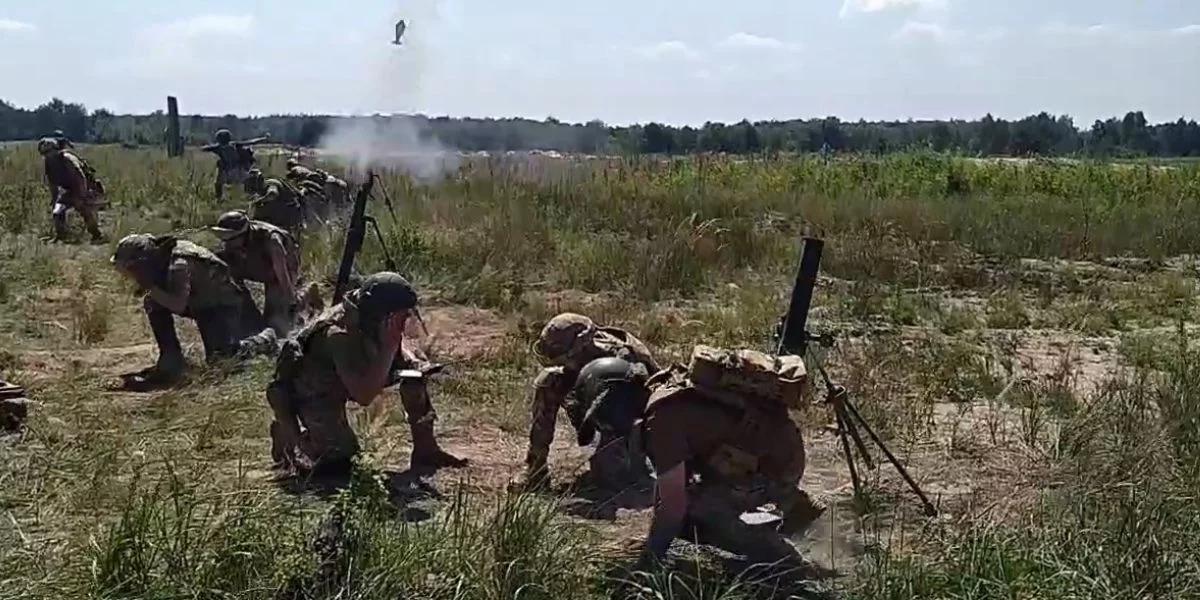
802, 512
427, 454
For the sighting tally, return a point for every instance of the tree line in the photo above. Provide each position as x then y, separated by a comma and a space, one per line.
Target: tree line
1036, 135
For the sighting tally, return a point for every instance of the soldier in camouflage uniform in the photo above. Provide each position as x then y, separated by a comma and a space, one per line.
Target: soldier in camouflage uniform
234, 159
262, 252
350, 353
275, 202
181, 278
717, 456
71, 187
566, 345
335, 190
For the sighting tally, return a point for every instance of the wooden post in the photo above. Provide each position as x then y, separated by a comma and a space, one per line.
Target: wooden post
174, 141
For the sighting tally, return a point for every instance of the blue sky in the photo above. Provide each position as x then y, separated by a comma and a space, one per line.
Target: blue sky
619, 60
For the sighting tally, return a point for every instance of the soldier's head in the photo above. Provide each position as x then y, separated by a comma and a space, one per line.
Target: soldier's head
382, 295
142, 253
232, 227
255, 182
47, 146
292, 162
223, 136
566, 341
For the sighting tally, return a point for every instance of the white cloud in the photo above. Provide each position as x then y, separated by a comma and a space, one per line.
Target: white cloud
11, 26
669, 50
913, 31
742, 40
872, 6
1187, 30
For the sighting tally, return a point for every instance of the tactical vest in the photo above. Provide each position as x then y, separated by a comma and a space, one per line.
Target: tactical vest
212, 285
256, 259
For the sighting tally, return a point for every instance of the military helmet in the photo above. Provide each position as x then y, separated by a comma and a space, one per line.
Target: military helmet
232, 224
384, 293
133, 248
611, 393
47, 145
223, 136
292, 162
563, 337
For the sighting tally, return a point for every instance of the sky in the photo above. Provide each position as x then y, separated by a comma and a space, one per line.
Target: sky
621, 61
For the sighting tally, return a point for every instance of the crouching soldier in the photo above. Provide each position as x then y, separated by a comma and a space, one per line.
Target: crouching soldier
721, 442
274, 201
334, 189
567, 344
259, 251
181, 278
350, 354
71, 187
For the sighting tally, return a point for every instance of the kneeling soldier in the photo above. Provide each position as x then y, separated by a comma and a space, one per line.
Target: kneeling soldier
350, 353
259, 251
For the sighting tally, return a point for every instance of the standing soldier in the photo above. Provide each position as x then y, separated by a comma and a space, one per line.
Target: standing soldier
350, 354
234, 159
181, 278
274, 201
70, 187
731, 428
262, 252
336, 190
567, 344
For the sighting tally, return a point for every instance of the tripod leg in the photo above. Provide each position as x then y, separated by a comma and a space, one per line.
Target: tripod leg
858, 441
842, 423
929, 508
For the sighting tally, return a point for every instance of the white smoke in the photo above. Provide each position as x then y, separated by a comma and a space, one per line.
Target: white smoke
392, 138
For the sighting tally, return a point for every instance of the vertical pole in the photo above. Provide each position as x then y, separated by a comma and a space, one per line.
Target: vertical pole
174, 141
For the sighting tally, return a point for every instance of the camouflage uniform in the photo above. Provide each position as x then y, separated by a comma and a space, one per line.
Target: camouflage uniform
248, 251
275, 202
70, 188
223, 309
334, 190
567, 343
746, 454
310, 430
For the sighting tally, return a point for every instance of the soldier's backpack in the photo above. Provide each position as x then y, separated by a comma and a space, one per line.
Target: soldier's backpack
747, 374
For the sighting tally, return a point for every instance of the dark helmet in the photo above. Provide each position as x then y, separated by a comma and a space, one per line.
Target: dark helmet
384, 293
232, 224
610, 394
223, 136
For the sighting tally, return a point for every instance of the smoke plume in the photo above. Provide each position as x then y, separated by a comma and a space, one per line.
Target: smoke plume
392, 138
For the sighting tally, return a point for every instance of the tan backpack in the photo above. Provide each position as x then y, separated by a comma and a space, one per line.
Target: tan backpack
779, 381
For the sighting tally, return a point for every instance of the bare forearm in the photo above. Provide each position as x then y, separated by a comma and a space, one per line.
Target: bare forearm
366, 385
670, 510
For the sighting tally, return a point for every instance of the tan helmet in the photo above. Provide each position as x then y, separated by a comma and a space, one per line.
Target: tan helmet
563, 337
133, 249
47, 145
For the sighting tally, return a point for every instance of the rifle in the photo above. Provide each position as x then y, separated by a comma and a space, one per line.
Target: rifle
356, 231
794, 338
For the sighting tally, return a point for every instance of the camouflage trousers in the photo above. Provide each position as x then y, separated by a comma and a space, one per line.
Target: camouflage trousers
279, 307
234, 176
715, 509
79, 202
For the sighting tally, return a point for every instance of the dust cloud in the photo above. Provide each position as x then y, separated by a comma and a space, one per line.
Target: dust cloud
392, 137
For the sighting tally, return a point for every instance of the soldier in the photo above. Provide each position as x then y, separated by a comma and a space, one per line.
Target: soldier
275, 202
262, 252
64, 142
335, 190
181, 278
566, 345
350, 353
746, 452
234, 159
70, 187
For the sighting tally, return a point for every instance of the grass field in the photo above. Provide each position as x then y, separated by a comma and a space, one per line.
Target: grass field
1021, 334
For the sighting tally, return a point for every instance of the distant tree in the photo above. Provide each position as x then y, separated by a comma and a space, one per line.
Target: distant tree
311, 131
656, 139
994, 136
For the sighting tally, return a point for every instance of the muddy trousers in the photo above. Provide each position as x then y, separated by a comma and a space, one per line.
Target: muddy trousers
218, 332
